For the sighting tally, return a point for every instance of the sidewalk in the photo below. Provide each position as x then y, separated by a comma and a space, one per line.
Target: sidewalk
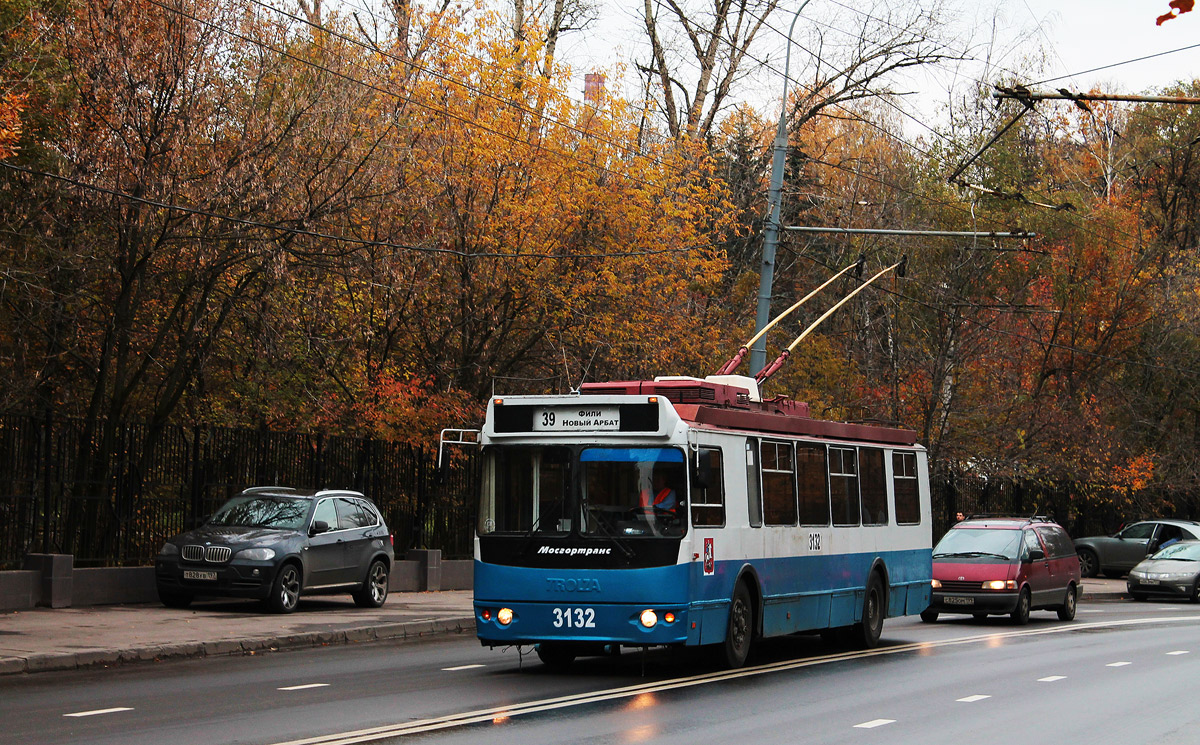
68, 638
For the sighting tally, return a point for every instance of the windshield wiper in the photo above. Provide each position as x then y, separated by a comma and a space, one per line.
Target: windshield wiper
529, 536
604, 529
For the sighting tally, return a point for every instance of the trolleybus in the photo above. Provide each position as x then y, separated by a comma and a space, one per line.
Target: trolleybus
689, 511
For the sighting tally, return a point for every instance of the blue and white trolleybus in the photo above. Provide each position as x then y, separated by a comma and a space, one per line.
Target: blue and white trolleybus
688, 511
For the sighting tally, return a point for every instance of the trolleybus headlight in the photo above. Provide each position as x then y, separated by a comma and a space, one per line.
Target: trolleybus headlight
648, 618
669, 617
486, 613
504, 616
1000, 584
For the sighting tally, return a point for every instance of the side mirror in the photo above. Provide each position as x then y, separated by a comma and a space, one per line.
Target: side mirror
319, 526
1036, 554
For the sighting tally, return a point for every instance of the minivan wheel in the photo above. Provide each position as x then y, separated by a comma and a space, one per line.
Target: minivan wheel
285, 590
374, 590
1020, 614
929, 616
1066, 612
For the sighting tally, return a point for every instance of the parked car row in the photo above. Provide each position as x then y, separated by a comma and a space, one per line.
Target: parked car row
1012, 565
276, 544
1113, 556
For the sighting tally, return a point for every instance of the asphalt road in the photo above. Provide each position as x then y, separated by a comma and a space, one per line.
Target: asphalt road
1122, 672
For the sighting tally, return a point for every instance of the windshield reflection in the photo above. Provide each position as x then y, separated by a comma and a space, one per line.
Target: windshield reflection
284, 513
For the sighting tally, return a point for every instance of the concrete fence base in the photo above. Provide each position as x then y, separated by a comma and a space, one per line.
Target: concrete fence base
52, 580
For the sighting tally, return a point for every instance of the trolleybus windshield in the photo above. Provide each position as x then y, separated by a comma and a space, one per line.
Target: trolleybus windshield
633, 491
597, 491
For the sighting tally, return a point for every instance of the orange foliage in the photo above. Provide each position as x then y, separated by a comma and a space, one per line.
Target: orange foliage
11, 106
1178, 8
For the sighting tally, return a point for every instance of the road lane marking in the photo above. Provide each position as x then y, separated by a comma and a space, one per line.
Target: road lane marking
874, 723
972, 699
1178, 652
1052, 678
506, 713
304, 687
1118, 664
460, 667
94, 712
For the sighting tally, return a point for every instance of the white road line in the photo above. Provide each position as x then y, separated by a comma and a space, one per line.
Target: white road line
1118, 664
1178, 652
400, 729
972, 699
1051, 678
304, 687
94, 712
874, 723
460, 667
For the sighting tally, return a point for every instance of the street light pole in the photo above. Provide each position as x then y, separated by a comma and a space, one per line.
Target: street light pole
766, 277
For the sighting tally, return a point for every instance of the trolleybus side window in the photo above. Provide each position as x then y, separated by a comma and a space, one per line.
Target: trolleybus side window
708, 489
873, 486
904, 484
843, 485
779, 483
753, 498
524, 490
814, 484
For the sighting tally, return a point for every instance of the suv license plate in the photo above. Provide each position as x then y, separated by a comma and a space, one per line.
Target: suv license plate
192, 574
958, 601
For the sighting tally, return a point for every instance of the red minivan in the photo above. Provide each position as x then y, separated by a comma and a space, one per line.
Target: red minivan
1004, 565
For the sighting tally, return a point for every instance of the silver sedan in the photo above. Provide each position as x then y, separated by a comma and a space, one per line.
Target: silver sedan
1174, 571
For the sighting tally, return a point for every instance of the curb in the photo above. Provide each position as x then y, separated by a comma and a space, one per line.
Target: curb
88, 658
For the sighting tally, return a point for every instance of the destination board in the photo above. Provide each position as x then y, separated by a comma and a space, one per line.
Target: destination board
577, 419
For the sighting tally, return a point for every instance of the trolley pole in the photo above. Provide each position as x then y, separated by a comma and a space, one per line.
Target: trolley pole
766, 277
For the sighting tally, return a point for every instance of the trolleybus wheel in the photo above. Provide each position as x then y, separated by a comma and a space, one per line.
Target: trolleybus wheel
740, 633
866, 632
558, 656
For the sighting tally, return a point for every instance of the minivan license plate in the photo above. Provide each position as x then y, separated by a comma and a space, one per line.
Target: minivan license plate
192, 574
958, 601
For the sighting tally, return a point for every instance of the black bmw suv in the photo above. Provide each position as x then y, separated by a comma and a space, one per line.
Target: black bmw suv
277, 543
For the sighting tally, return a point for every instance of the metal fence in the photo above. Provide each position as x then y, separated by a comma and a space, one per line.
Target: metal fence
111, 493
1080, 508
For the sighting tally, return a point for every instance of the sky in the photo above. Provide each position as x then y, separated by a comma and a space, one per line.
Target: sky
1075, 36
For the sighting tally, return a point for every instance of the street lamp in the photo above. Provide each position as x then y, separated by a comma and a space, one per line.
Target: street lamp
766, 277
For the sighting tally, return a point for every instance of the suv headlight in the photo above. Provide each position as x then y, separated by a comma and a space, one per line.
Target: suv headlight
168, 549
256, 554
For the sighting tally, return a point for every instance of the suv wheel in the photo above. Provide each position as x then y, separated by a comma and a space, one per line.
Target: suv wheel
375, 587
285, 590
